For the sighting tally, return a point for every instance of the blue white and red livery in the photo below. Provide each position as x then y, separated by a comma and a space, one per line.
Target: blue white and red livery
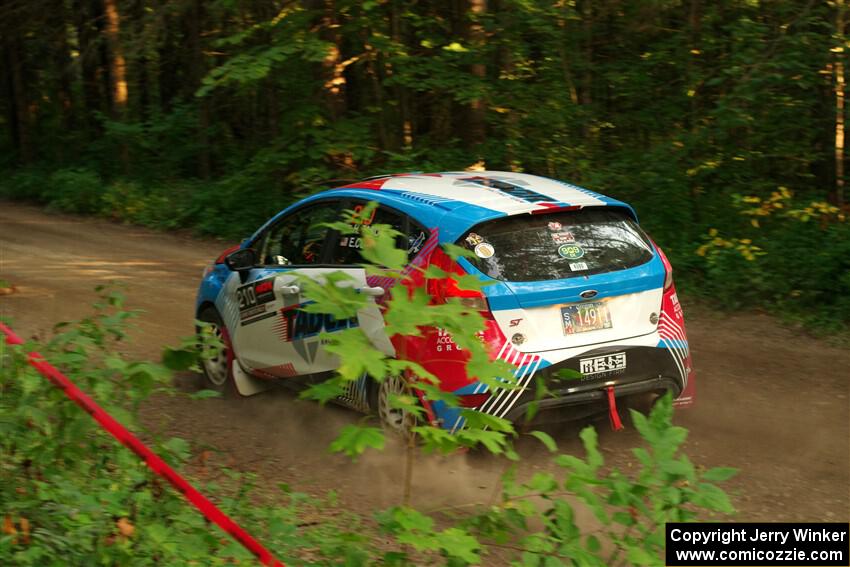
574, 283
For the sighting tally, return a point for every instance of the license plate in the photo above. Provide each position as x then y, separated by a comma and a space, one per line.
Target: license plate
585, 317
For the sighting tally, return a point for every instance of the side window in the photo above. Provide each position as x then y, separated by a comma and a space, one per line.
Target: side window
347, 250
298, 238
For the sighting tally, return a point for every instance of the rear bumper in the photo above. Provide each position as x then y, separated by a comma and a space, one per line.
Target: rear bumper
593, 397
647, 370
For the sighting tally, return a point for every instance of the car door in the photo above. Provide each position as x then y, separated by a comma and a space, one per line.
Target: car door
273, 337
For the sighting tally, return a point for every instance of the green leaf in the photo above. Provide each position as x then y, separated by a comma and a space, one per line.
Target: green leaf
460, 544
680, 467
719, 474
353, 440
542, 482
546, 439
178, 447
711, 497
567, 374
205, 394
325, 391
638, 556
589, 437
479, 420
454, 252
494, 441
179, 360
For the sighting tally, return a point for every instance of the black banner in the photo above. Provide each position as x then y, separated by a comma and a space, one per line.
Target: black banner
761, 544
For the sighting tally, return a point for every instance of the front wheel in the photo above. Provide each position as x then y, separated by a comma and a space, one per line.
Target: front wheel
217, 352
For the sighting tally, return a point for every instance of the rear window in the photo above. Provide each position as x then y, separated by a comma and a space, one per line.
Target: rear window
557, 246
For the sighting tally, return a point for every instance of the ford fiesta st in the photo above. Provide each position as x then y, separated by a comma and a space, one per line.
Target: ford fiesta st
574, 283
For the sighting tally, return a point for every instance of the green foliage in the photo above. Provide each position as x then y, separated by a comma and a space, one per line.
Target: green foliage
72, 495
537, 519
74, 190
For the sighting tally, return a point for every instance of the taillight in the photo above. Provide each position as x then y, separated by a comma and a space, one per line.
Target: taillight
668, 269
475, 303
443, 289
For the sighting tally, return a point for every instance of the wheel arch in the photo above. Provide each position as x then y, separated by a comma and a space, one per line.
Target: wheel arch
203, 306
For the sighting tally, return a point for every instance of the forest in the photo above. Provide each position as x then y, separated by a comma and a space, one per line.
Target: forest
722, 122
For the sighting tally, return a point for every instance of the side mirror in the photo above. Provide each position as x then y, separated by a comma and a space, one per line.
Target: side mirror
242, 259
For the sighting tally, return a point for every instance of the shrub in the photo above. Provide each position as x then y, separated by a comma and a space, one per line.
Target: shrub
74, 190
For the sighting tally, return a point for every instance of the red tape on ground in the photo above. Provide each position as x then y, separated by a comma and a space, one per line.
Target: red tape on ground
156, 464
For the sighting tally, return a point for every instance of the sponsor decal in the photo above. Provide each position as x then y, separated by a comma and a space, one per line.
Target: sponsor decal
252, 312
252, 298
677, 307
578, 266
555, 226
415, 244
563, 237
511, 190
351, 242
445, 342
570, 251
474, 239
600, 365
484, 250
296, 325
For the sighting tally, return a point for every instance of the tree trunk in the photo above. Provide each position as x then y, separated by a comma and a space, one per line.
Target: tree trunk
586, 90
117, 73
198, 69
117, 64
477, 108
333, 67
87, 14
694, 48
402, 93
20, 106
139, 68
839, 104
62, 59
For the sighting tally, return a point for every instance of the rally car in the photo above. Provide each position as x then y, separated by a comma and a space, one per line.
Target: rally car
574, 283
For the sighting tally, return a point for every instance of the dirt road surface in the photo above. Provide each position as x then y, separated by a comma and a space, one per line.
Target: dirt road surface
771, 402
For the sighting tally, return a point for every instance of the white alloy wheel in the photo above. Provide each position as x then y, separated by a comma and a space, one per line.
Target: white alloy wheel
394, 419
216, 345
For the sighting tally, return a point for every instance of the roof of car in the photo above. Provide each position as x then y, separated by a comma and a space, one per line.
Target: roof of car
506, 192
457, 200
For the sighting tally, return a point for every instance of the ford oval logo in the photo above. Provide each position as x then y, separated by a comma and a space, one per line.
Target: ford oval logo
589, 294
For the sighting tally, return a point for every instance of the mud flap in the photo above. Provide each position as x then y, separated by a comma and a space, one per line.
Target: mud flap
246, 384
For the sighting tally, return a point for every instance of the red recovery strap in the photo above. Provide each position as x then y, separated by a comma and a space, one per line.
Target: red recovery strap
616, 424
156, 464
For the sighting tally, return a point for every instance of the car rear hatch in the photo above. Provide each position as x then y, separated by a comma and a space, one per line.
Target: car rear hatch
571, 278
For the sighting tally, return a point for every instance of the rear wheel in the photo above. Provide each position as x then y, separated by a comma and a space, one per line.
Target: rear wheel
218, 354
392, 418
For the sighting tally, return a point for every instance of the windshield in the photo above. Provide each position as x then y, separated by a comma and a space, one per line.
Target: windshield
556, 246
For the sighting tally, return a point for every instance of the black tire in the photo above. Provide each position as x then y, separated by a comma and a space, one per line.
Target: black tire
218, 374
